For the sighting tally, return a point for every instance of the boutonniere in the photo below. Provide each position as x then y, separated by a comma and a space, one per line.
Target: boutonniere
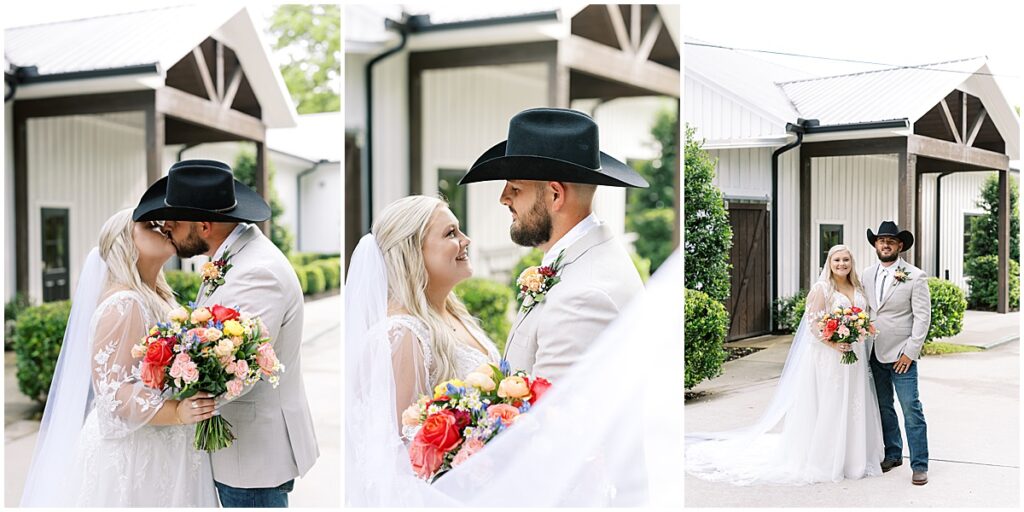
213, 272
535, 282
900, 275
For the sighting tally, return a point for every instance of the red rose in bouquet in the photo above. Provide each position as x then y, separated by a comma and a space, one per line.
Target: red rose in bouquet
538, 386
159, 353
223, 314
440, 430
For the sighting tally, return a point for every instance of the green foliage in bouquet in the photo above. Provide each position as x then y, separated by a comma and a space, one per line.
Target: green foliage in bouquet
38, 336
489, 302
707, 231
707, 324
948, 306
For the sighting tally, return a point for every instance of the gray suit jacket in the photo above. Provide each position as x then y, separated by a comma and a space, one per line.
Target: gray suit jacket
598, 279
273, 426
903, 315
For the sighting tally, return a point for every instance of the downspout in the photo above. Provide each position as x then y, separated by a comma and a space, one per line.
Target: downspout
367, 174
185, 148
938, 220
798, 129
298, 202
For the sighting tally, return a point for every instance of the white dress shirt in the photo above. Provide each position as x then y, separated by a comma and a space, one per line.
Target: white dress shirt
884, 278
578, 231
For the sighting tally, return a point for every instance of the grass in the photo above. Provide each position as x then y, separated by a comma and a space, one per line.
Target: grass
938, 348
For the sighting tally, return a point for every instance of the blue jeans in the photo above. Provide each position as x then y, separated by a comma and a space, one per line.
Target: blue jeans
272, 497
905, 384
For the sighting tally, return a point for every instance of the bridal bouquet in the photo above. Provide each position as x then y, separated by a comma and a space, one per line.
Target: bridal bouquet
464, 415
217, 350
848, 325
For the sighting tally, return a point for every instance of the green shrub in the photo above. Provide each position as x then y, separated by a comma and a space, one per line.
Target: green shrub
185, 285
37, 340
332, 272
706, 327
654, 234
314, 280
706, 223
300, 271
983, 281
643, 266
948, 306
789, 311
305, 258
488, 301
20, 302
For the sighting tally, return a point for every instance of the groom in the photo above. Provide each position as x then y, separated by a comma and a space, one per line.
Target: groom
207, 212
552, 167
901, 309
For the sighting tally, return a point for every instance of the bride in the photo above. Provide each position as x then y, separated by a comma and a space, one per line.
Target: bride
106, 439
605, 434
831, 428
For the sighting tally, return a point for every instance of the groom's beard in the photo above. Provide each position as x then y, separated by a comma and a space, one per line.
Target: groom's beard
192, 245
535, 232
886, 259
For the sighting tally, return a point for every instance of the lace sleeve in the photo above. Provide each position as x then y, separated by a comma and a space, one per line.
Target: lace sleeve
409, 362
123, 403
816, 306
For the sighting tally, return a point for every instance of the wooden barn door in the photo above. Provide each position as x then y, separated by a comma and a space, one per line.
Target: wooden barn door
749, 303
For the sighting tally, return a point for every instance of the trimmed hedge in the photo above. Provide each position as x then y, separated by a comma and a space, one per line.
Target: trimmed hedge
305, 258
948, 306
332, 272
300, 272
315, 281
707, 325
789, 311
488, 301
38, 336
185, 284
983, 280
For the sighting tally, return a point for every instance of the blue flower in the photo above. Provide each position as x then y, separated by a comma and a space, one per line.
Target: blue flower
191, 304
505, 367
525, 407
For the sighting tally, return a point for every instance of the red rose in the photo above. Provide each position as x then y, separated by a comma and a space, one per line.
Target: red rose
159, 353
832, 325
856, 310
547, 272
538, 387
223, 314
152, 375
441, 431
425, 458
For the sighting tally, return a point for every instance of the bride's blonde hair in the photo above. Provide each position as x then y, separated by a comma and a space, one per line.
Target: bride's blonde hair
399, 232
118, 250
830, 278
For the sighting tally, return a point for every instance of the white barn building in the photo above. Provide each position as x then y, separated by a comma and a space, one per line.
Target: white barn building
912, 145
446, 81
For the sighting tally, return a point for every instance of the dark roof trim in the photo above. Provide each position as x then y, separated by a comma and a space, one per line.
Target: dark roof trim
421, 22
29, 75
849, 127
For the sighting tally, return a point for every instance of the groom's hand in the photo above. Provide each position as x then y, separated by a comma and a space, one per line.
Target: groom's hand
903, 364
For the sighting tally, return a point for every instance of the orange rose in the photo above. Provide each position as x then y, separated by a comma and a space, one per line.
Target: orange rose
441, 431
152, 375
506, 413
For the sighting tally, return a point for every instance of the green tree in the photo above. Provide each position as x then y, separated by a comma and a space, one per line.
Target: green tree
310, 37
245, 171
985, 228
707, 231
650, 211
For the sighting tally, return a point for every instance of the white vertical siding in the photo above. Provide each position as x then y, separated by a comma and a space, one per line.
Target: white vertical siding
960, 192
91, 165
321, 210
745, 172
390, 131
856, 191
718, 116
625, 124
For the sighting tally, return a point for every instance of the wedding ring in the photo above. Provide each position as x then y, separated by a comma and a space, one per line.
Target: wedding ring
194, 405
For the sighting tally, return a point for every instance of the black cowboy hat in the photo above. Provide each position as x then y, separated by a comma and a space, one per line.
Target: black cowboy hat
552, 144
890, 229
201, 191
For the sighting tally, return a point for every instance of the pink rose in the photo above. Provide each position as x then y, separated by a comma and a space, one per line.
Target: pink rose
425, 458
241, 369
190, 373
266, 358
470, 447
234, 388
505, 412
152, 375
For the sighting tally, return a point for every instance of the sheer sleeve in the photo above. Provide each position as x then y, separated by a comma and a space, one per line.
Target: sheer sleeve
123, 403
409, 360
816, 305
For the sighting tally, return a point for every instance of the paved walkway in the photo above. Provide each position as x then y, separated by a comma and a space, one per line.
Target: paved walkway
321, 359
971, 403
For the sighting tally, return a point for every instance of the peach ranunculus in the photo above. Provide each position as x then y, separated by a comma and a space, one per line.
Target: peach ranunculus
178, 315
470, 447
209, 271
481, 381
505, 412
514, 386
201, 316
425, 458
266, 358
152, 375
212, 334
531, 279
234, 387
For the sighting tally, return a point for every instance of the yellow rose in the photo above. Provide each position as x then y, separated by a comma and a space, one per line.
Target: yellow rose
201, 316
233, 328
209, 271
442, 388
862, 315
531, 279
513, 387
481, 381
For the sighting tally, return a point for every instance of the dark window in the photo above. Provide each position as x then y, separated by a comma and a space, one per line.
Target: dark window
967, 231
828, 235
56, 271
448, 186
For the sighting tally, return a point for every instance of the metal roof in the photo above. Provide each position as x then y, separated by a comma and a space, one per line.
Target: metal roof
131, 42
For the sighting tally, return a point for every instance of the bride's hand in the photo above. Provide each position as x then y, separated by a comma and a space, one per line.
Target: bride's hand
842, 347
195, 409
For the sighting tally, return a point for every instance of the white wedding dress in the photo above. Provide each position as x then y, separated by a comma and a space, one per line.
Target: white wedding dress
831, 428
95, 446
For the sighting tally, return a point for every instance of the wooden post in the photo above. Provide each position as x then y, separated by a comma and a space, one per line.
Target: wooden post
558, 81
907, 197
805, 221
262, 183
1003, 304
21, 198
155, 137
918, 229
